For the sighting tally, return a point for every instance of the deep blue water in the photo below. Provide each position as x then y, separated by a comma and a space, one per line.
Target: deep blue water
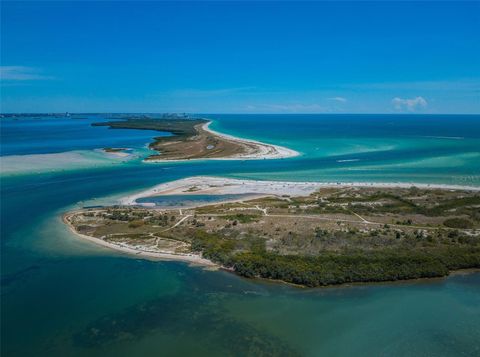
43, 135
65, 297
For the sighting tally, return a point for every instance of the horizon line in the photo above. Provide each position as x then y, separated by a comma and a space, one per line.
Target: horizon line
227, 113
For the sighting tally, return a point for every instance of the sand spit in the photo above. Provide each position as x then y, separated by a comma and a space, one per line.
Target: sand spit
202, 185
254, 150
140, 251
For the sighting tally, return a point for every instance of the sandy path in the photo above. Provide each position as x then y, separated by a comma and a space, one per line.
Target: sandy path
194, 259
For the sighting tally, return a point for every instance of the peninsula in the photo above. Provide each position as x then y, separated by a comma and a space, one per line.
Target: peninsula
311, 234
192, 139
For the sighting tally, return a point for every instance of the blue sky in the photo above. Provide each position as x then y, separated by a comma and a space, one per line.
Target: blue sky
251, 57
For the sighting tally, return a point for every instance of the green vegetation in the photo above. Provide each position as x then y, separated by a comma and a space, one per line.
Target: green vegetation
136, 224
328, 269
334, 236
189, 140
403, 204
242, 218
213, 247
458, 223
179, 128
348, 266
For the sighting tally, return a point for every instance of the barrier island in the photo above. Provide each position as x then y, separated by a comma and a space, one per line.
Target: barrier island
309, 234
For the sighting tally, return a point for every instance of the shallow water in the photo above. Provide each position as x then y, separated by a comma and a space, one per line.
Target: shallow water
62, 296
185, 200
385, 148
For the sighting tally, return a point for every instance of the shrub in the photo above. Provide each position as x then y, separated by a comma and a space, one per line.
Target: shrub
242, 218
461, 223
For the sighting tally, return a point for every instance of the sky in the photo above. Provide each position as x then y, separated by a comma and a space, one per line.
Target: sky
232, 57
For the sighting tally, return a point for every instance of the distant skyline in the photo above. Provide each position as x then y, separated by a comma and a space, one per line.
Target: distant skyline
251, 57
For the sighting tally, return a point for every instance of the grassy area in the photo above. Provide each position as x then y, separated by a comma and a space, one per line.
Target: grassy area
188, 140
458, 223
181, 129
242, 218
334, 236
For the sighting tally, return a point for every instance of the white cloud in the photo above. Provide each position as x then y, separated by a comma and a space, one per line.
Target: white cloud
410, 105
21, 73
338, 99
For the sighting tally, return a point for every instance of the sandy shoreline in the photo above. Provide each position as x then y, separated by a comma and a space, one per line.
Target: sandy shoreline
204, 185
193, 259
116, 152
266, 151
261, 150
225, 186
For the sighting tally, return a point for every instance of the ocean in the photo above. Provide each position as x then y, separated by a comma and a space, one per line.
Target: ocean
64, 297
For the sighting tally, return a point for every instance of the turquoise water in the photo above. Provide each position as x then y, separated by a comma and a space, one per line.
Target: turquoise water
389, 148
64, 297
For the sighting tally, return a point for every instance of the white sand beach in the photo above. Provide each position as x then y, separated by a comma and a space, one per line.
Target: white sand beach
263, 150
201, 185
140, 251
254, 150
205, 185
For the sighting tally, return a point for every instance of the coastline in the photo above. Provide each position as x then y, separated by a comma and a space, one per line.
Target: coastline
201, 185
220, 185
267, 151
116, 152
255, 150
193, 259
197, 260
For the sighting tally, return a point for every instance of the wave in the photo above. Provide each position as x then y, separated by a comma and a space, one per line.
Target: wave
348, 160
